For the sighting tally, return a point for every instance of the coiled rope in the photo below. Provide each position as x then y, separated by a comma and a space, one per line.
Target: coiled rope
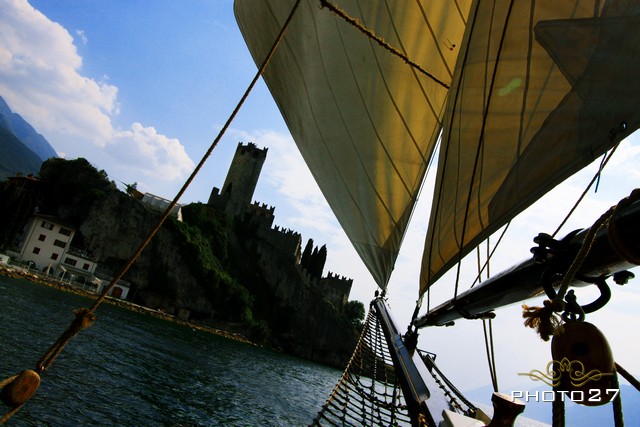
84, 317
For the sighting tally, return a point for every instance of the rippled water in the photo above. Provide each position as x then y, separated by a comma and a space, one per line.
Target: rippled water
131, 369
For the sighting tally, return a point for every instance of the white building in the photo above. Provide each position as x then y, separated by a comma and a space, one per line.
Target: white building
46, 241
160, 204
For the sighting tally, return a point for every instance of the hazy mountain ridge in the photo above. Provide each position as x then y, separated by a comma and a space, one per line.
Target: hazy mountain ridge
22, 148
575, 415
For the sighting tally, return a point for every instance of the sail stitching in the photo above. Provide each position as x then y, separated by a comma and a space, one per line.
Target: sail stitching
440, 188
354, 22
433, 36
380, 274
481, 145
406, 185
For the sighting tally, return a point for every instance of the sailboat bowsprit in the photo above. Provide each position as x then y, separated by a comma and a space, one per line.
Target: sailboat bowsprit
518, 94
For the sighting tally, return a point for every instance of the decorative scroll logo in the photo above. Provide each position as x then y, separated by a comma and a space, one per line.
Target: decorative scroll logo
574, 369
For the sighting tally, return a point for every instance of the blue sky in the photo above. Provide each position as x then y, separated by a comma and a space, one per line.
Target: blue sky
141, 89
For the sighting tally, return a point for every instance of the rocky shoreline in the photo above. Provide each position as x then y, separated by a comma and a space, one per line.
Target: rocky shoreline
19, 273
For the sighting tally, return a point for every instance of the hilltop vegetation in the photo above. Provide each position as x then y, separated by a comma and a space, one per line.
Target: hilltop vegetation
207, 264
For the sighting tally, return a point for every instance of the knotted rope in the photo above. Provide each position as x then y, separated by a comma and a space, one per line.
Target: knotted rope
543, 319
83, 320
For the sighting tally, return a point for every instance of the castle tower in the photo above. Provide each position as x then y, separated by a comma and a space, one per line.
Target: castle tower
242, 178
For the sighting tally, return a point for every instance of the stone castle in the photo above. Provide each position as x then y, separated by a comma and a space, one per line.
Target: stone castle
273, 243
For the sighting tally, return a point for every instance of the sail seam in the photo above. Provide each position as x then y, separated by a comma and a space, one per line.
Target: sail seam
440, 188
354, 22
481, 143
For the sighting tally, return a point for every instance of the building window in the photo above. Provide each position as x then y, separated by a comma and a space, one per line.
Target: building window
47, 225
85, 266
59, 243
36, 251
54, 256
42, 237
70, 261
65, 231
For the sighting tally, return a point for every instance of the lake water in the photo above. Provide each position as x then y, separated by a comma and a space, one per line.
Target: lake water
132, 369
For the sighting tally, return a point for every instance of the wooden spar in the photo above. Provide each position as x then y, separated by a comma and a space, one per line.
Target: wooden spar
423, 397
526, 280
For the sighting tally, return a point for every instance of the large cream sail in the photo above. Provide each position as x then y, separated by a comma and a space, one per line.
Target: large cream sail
541, 89
365, 121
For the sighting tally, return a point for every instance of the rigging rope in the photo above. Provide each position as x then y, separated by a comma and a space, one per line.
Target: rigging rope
368, 393
354, 22
85, 317
618, 416
429, 361
557, 407
627, 376
490, 255
595, 178
485, 117
491, 359
542, 318
488, 331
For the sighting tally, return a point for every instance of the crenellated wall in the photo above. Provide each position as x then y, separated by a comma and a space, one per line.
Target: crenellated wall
336, 289
272, 242
241, 180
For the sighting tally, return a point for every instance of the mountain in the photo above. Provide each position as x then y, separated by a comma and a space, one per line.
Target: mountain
575, 415
22, 149
15, 157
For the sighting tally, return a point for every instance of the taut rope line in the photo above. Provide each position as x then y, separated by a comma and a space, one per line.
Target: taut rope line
354, 22
542, 318
85, 317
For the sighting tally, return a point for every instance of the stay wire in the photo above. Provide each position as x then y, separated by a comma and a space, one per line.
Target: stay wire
85, 317
596, 178
490, 255
488, 331
488, 342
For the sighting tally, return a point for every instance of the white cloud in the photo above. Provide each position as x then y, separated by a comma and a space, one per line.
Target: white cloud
82, 36
41, 79
165, 157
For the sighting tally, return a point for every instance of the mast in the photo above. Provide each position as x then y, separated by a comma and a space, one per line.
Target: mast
611, 254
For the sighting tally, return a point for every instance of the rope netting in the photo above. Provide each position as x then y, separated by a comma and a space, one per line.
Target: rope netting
368, 392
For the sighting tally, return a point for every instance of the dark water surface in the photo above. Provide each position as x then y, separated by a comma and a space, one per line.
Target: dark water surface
131, 369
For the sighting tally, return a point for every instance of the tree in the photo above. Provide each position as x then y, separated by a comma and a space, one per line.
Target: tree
354, 311
322, 259
306, 254
70, 187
